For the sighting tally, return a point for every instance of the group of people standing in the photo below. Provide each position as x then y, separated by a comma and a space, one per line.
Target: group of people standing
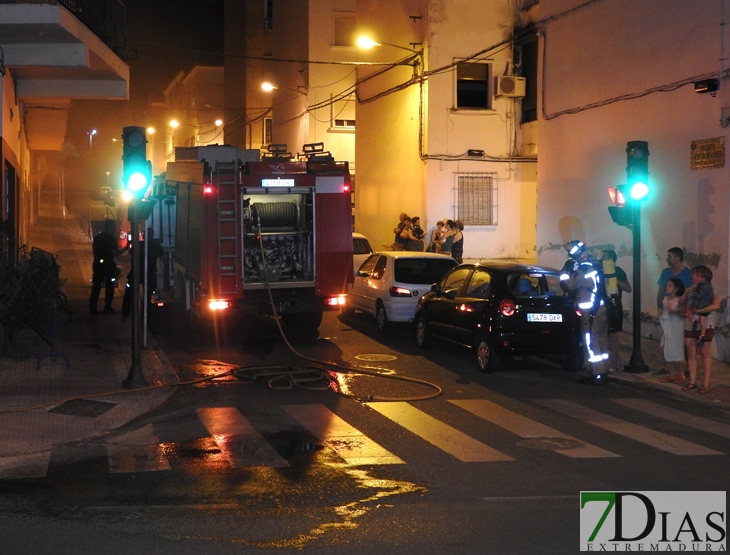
446, 238
687, 304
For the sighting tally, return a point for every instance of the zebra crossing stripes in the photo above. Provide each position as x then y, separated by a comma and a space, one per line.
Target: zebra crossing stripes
241, 445
348, 442
638, 433
238, 440
443, 436
527, 428
674, 415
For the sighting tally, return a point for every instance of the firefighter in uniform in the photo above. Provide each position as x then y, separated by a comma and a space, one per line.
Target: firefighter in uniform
104, 269
583, 277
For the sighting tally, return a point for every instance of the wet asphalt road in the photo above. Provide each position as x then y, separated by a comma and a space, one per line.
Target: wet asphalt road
464, 484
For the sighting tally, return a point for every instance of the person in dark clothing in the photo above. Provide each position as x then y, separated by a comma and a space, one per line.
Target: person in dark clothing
457, 247
104, 268
399, 243
413, 234
154, 253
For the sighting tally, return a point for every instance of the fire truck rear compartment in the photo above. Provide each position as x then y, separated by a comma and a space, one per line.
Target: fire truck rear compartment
283, 225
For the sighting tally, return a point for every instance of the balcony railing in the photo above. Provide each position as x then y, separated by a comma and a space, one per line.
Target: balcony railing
107, 19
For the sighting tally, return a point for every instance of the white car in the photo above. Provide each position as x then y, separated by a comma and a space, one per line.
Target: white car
389, 284
361, 249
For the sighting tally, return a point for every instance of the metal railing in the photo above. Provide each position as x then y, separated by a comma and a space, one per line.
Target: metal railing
107, 19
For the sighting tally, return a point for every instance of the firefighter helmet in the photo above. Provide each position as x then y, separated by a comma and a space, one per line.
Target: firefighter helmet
576, 249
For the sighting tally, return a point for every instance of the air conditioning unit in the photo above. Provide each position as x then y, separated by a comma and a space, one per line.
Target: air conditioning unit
510, 86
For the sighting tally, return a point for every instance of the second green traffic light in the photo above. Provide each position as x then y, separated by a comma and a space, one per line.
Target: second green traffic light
137, 169
637, 169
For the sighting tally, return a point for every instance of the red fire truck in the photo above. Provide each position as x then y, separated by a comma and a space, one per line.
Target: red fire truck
250, 237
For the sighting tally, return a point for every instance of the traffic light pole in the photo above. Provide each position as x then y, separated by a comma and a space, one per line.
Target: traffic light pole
636, 363
135, 378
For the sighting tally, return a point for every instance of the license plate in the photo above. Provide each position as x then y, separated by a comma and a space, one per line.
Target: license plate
539, 317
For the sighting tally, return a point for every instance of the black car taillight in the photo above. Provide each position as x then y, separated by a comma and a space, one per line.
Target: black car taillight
401, 292
507, 307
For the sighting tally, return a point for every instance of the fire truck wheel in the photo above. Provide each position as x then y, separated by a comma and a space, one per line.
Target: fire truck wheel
381, 317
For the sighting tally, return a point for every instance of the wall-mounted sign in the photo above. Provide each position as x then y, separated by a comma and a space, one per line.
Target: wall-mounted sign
708, 153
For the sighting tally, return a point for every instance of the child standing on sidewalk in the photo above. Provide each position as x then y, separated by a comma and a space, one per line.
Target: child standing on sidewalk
698, 297
672, 321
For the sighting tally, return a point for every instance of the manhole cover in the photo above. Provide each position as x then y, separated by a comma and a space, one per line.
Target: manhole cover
550, 443
83, 407
376, 357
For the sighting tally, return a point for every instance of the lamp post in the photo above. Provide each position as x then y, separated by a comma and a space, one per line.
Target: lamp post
366, 43
205, 137
91, 137
268, 87
174, 124
197, 132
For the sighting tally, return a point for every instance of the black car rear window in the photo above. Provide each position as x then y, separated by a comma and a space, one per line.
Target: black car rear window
534, 284
422, 271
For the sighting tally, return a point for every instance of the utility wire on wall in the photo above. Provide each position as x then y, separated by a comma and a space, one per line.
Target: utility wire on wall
667, 87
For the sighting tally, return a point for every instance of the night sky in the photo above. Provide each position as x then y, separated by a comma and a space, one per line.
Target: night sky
186, 32
164, 37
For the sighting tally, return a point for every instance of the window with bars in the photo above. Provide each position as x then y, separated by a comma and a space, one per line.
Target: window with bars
475, 194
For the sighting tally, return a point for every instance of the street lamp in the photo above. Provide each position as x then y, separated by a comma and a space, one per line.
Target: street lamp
91, 137
207, 136
198, 133
366, 43
174, 124
268, 87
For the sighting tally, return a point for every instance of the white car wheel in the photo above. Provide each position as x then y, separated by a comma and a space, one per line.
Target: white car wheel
381, 317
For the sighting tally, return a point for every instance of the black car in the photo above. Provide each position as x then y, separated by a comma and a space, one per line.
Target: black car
502, 309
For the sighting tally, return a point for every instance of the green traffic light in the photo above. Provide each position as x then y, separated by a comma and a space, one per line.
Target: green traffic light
639, 190
137, 182
137, 174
